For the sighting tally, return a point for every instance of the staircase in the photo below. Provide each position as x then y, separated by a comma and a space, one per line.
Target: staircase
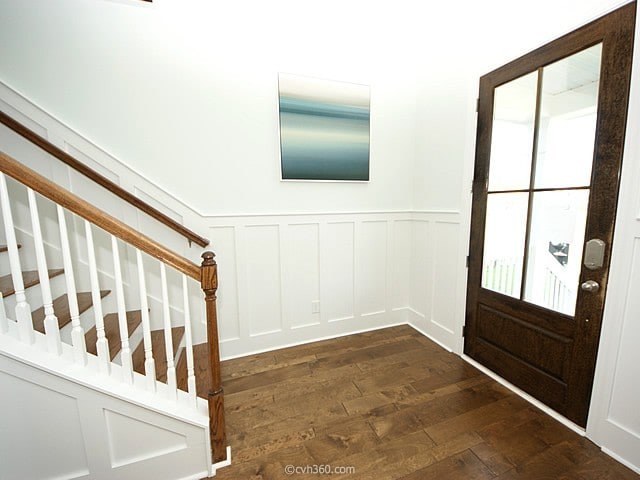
64, 309
111, 328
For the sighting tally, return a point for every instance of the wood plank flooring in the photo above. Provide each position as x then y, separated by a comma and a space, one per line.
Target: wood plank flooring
391, 404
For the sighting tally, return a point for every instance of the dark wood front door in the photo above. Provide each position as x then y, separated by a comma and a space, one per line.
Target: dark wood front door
548, 155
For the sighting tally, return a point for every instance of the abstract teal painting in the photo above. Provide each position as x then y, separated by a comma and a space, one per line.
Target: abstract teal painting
324, 129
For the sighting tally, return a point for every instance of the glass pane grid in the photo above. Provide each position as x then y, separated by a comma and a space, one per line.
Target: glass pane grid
539, 182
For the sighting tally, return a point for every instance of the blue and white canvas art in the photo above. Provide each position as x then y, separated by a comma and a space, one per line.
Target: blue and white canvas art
324, 129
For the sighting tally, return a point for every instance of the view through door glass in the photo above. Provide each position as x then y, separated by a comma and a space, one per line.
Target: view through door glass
539, 181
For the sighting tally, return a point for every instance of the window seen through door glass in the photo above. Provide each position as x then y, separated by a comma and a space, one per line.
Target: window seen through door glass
555, 249
560, 191
514, 110
505, 230
568, 108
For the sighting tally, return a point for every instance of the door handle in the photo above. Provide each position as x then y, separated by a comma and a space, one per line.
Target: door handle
590, 286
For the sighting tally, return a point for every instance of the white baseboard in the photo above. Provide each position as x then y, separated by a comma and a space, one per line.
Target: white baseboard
225, 463
621, 460
536, 403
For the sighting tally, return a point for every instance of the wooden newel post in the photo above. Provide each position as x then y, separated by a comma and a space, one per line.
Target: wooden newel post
209, 282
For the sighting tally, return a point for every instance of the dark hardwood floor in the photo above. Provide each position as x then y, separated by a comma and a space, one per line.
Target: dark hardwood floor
391, 404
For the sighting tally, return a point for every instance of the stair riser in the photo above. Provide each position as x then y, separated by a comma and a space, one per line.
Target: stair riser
87, 321
27, 251
135, 339
34, 295
156, 319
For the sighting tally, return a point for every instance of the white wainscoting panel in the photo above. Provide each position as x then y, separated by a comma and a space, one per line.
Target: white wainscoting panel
291, 279
624, 410
262, 278
33, 419
444, 282
400, 264
614, 417
436, 268
371, 267
301, 274
53, 427
223, 239
421, 254
338, 275
129, 439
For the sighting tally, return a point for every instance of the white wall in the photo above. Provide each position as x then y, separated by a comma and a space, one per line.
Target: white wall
184, 92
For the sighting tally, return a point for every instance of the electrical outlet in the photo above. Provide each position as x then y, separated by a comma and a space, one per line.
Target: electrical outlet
315, 306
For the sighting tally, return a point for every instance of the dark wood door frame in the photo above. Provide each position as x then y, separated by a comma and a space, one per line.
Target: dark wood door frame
616, 32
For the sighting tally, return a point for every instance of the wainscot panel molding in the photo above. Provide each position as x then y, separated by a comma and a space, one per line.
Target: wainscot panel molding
295, 278
104, 434
287, 279
438, 273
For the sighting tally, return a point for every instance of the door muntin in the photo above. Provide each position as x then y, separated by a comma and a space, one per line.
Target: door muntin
540, 166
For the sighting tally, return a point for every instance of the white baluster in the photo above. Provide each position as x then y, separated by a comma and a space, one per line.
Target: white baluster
191, 377
23, 310
51, 325
4, 324
102, 344
125, 352
77, 332
149, 362
168, 340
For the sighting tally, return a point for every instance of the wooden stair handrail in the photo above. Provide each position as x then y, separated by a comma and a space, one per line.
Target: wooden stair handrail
112, 225
116, 189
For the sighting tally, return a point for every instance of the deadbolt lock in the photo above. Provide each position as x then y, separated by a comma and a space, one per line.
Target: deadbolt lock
594, 254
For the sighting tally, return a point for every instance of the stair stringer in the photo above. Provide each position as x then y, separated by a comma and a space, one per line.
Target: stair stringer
71, 420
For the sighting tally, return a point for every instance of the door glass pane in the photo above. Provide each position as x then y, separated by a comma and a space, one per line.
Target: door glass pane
568, 120
514, 111
556, 240
504, 235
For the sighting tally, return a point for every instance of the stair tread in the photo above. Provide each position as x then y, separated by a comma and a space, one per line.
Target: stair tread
61, 309
5, 248
112, 332
159, 355
200, 369
29, 277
